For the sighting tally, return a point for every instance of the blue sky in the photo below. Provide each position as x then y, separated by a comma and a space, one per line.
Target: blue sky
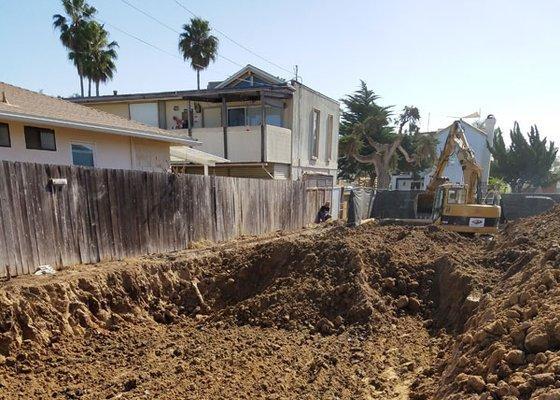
449, 58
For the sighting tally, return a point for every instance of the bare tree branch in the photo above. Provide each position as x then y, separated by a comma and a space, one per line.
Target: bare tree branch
406, 155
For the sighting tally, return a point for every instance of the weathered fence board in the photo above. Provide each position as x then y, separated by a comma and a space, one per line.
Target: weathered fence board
111, 214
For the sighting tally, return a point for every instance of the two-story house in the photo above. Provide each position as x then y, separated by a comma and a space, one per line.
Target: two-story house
265, 126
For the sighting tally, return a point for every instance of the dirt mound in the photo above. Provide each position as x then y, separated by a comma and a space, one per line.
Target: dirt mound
324, 291
361, 278
511, 345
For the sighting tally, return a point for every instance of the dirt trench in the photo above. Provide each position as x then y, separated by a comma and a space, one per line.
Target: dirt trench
343, 313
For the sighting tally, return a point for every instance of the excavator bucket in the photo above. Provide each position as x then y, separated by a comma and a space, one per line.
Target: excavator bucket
424, 204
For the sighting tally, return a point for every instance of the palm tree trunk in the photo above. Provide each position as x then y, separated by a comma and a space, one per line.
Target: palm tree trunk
81, 83
198, 79
97, 88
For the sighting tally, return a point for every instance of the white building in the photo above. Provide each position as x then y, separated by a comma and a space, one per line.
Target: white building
478, 139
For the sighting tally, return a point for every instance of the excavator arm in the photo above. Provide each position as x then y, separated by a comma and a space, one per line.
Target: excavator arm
457, 142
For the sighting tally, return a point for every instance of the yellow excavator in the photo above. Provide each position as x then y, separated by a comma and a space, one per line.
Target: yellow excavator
459, 207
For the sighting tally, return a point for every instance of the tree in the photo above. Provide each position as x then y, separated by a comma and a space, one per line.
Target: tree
100, 56
73, 27
370, 140
198, 45
527, 162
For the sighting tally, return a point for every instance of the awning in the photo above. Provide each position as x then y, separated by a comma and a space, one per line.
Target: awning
185, 154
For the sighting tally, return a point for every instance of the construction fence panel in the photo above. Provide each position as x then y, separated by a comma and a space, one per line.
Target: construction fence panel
103, 214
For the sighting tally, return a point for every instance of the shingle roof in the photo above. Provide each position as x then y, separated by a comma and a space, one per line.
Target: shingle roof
22, 103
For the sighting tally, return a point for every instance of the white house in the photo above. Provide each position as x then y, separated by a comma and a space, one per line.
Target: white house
477, 137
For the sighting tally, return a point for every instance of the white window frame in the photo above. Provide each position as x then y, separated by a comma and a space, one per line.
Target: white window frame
315, 133
83, 143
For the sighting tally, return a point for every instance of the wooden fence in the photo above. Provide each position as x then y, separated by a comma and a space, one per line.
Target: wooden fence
104, 214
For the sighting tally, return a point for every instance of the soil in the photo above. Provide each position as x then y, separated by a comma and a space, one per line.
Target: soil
373, 312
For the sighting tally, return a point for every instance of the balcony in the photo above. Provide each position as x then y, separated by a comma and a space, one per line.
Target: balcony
245, 144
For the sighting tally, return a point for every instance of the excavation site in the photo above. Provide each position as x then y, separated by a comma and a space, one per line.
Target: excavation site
372, 312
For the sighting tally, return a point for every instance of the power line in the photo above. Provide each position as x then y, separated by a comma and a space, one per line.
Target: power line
151, 16
153, 45
173, 29
139, 39
235, 41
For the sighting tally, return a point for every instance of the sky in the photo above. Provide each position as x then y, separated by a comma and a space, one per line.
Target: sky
448, 58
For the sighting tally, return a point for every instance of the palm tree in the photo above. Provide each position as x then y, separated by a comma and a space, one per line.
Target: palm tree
72, 31
100, 56
198, 45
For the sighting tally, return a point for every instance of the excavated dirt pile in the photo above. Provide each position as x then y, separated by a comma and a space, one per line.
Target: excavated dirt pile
374, 312
341, 313
510, 348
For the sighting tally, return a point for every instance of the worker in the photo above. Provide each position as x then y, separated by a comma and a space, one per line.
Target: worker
324, 213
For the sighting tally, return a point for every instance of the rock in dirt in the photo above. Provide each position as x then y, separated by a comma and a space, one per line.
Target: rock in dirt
537, 341
515, 357
475, 383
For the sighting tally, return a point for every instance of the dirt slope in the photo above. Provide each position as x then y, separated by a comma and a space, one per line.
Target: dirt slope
374, 312
510, 347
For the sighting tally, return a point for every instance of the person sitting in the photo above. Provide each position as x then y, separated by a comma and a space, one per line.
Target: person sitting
324, 213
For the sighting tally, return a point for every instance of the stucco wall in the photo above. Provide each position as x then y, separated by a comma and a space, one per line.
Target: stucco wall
304, 101
120, 109
111, 151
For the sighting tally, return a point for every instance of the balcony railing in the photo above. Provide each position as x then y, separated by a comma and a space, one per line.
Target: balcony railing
245, 144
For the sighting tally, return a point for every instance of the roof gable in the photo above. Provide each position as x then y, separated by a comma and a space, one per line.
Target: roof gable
250, 76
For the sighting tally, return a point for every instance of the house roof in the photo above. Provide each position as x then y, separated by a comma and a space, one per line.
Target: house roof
477, 130
214, 92
184, 154
25, 105
265, 76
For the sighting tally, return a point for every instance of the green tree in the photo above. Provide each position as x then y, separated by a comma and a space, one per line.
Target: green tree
198, 45
100, 56
73, 31
369, 143
527, 162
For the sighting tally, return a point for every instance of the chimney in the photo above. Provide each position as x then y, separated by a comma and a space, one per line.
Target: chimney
488, 125
114, 92
5, 98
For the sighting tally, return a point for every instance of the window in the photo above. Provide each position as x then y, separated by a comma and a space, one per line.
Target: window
274, 116
330, 127
254, 116
39, 138
456, 196
4, 135
315, 130
82, 154
236, 117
